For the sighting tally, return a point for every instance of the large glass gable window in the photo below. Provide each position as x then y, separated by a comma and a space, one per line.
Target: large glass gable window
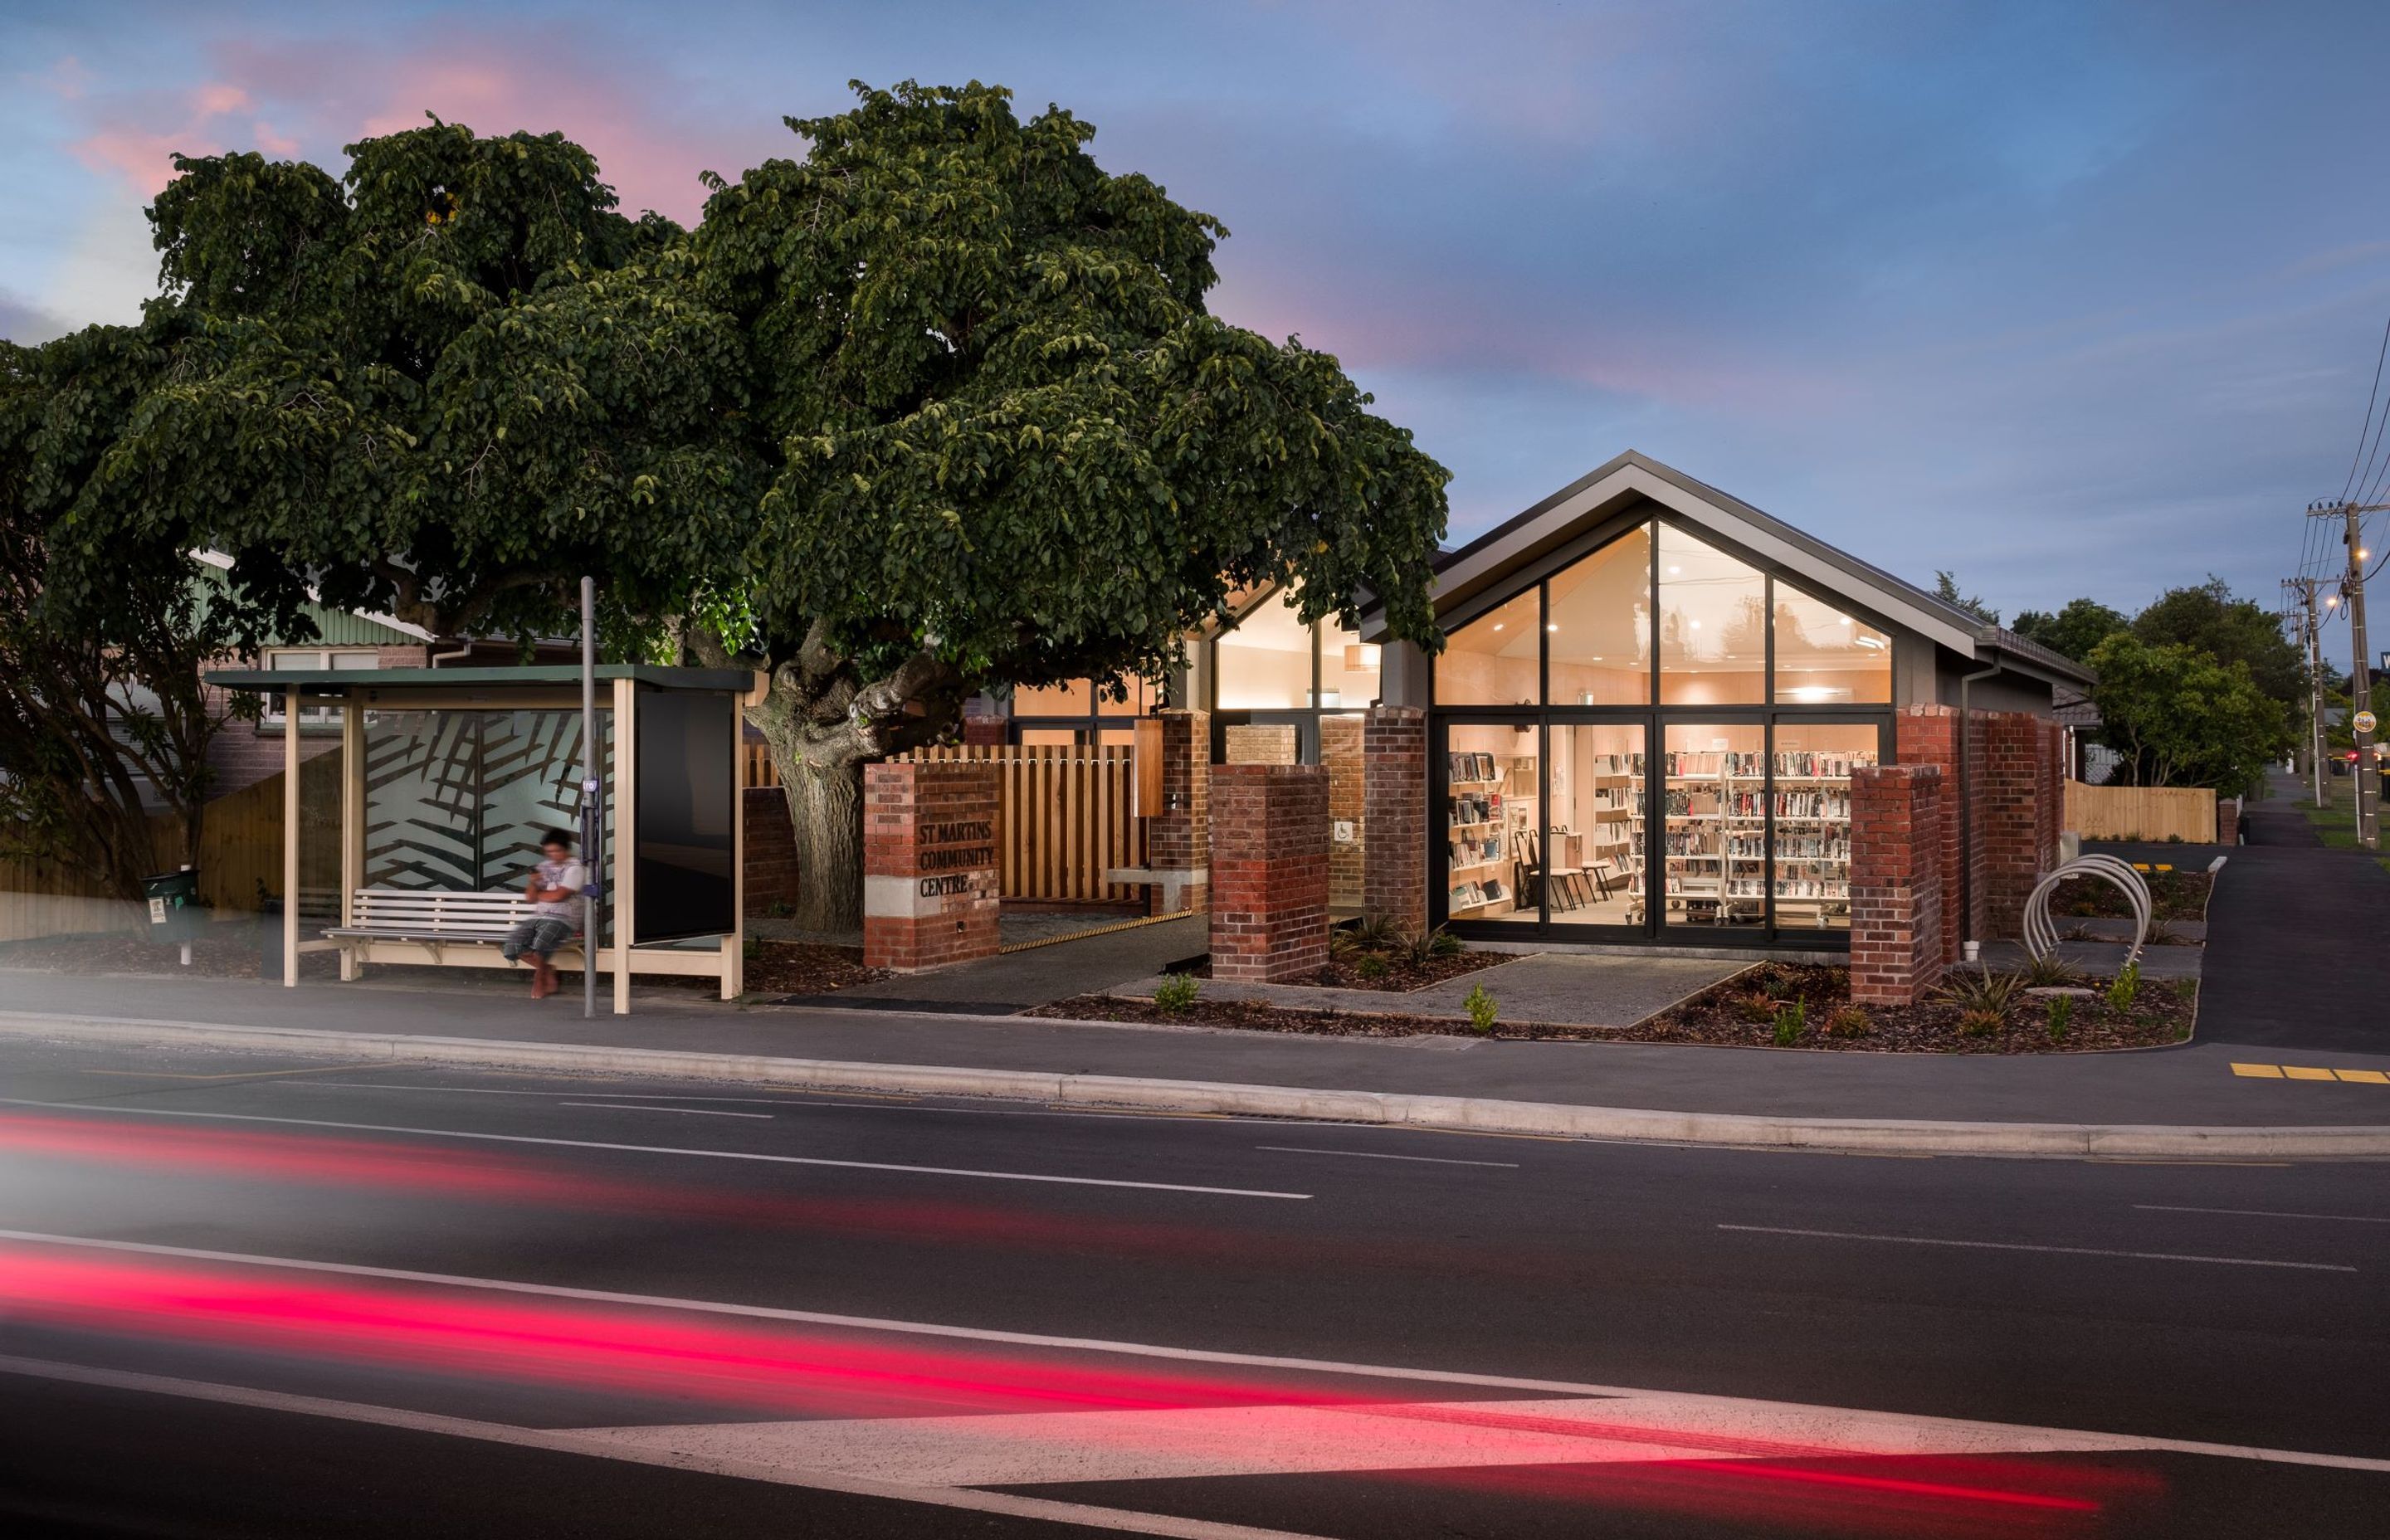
1713, 625
1825, 658
1495, 659
1265, 663
1601, 626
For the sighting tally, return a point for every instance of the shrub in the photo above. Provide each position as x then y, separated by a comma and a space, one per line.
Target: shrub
2061, 1011
1978, 1022
1773, 984
2125, 989
1481, 1008
1982, 991
2047, 971
1422, 949
1176, 993
1850, 1022
1756, 1008
1791, 1018
1372, 966
2185, 990
1376, 932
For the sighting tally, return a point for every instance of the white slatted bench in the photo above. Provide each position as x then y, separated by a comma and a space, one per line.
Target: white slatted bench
434, 918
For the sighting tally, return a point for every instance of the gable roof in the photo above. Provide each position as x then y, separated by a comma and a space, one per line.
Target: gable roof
1825, 570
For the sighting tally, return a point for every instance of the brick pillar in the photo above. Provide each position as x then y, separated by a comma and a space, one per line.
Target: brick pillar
931, 890
2228, 820
2052, 805
1928, 735
1178, 839
2011, 811
1394, 801
771, 849
1896, 908
1340, 740
987, 731
1269, 871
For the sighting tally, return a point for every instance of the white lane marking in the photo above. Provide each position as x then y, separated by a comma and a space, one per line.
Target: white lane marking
2054, 1251
1372, 1155
1687, 1403
114, 1110
684, 1111
1120, 1520
1021, 1449
508, 1091
2266, 1213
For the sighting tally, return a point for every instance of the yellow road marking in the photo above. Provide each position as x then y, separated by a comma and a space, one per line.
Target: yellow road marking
2302, 1072
2364, 1077
2258, 1071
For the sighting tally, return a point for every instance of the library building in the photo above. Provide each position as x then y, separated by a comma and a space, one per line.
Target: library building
1650, 707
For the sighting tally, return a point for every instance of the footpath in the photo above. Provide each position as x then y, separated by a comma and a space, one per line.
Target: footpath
2291, 1056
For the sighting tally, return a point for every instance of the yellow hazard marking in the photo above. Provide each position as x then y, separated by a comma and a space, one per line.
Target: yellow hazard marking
2308, 1072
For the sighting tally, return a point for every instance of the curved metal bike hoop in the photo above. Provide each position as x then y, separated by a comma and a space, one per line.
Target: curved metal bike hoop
2041, 935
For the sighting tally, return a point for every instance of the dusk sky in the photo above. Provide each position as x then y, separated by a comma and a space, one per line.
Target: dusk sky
2070, 297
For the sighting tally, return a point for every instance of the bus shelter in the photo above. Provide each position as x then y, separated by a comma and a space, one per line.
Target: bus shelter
448, 777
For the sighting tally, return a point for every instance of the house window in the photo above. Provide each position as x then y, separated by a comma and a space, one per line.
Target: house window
1265, 663
1713, 625
1494, 660
1825, 658
316, 658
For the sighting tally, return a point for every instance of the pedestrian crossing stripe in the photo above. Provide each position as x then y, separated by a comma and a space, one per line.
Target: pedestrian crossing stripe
2307, 1072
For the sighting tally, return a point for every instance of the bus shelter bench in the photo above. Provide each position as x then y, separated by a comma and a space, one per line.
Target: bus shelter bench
434, 918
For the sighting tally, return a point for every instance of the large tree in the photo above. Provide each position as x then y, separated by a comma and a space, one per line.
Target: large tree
2072, 631
2232, 630
103, 718
935, 408
2182, 717
1010, 445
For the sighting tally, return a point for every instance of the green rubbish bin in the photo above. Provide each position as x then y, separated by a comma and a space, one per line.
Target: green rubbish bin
175, 913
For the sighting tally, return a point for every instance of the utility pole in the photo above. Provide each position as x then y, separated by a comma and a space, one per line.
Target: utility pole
2302, 591
2365, 773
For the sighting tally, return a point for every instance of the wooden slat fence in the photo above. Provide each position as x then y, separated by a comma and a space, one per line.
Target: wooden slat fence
240, 846
1069, 816
2158, 812
758, 767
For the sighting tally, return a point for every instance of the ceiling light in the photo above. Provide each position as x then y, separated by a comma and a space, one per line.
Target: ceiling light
1674, 570
1552, 626
1697, 625
1844, 618
1497, 625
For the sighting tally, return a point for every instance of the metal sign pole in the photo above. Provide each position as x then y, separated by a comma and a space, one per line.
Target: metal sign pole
593, 802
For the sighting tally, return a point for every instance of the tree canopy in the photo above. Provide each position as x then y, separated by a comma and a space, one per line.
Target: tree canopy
2231, 630
2073, 631
2181, 717
935, 406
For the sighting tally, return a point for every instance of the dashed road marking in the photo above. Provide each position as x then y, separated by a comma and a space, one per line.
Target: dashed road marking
2310, 1071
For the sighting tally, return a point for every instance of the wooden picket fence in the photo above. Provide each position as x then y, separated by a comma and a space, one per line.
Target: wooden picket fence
1069, 816
2155, 813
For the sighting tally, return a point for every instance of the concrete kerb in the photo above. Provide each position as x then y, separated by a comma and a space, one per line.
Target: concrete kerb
1477, 1114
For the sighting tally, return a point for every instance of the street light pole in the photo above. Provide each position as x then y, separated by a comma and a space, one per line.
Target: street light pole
2360, 677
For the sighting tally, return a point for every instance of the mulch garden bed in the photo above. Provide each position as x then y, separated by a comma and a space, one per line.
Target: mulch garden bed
2173, 895
1261, 1016
1745, 1011
1741, 1013
804, 968
1393, 972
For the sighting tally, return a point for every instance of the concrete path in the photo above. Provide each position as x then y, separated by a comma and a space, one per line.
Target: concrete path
1559, 988
1016, 980
2299, 952
2191, 1085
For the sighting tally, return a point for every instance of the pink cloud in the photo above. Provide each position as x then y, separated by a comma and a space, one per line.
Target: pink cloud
531, 79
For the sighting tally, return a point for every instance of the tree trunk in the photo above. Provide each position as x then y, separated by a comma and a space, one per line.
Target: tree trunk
826, 810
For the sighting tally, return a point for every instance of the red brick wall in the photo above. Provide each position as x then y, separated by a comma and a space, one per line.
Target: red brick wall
1897, 835
2228, 820
1394, 758
242, 754
771, 863
1341, 752
931, 833
1269, 871
2013, 814
1928, 735
1178, 839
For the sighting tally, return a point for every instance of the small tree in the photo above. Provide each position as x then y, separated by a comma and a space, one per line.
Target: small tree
2231, 630
2180, 717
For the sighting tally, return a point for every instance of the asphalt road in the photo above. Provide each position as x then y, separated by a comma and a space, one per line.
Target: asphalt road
243, 1297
